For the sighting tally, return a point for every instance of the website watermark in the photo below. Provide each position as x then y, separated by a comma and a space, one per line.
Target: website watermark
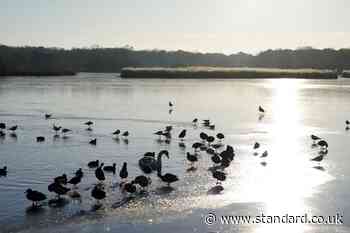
212, 218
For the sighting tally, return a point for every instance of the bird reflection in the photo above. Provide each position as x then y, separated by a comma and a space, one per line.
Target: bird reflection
191, 169
171, 111
164, 190
217, 189
126, 141
261, 116
321, 168
58, 202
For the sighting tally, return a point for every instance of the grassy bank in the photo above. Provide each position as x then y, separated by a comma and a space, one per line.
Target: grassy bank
229, 73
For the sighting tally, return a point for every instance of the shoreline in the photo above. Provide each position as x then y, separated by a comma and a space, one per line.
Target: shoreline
63, 73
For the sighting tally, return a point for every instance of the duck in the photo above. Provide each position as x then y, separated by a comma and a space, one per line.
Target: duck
56, 128
13, 128
123, 174
143, 181
93, 142
256, 145
192, 158
129, 187
75, 180
203, 136
220, 136
79, 172
210, 139
219, 176
93, 164
125, 134
40, 139
35, 197
58, 189
98, 193
100, 175
2, 126
261, 110
110, 168
48, 116
61, 179
264, 154
116, 133
3, 171
182, 134
89, 124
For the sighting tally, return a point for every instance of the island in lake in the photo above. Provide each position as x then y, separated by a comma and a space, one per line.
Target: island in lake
226, 73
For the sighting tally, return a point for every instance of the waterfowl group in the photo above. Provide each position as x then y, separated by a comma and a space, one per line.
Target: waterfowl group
220, 154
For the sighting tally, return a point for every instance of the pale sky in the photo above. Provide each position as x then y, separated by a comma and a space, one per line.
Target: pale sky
224, 26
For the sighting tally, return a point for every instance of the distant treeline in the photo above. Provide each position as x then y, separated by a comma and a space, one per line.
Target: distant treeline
40, 60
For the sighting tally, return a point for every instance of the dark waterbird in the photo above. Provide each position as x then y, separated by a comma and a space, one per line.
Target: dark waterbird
56, 128
347, 122
206, 123
256, 145
143, 181
171, 104
79, 172
212, 127
98, 193
40, 139
61, 179
195, 121
210, 139
264, 154
13, 128
125, 134
322, 144
261, 110
48, 116
100, 175
168, 128
123, 174
168, 177
216, 158
314, 138
35, 197
210, 151
318, 158
116, 133
219, 176
75, 180
110, 168
203, 136
93, 141
58, 189
2, 126
65, 130
192, 158
148, 162
220, 136
89, 124
93, 164
3, 171
129, 187
182, 134
196, 146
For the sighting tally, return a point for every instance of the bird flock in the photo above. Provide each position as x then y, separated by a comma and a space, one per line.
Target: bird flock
150, 164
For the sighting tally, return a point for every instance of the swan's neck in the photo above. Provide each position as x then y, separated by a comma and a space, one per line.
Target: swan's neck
159, 165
